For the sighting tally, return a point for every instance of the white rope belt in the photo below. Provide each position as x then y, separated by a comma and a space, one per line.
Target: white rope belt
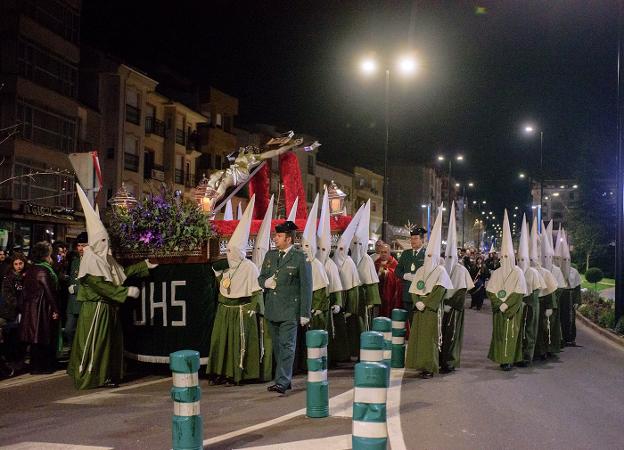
87, 342
506, 332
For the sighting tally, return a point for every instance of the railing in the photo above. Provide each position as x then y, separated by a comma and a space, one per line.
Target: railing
133, 114
131, 162
192, 141
154, 171
155, 126
180, 136
178, 176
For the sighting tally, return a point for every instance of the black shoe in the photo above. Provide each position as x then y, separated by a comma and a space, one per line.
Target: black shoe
277, 388
447, 369
110, 384
425, 375
524, 363
506, 367
571, 344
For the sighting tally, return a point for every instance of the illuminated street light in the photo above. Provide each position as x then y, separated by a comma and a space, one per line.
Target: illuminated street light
369, 66
408, 65
471, 184
575, 186
440, 158
521, 176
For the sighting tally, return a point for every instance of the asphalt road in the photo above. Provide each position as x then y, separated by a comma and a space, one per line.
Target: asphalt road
573, 403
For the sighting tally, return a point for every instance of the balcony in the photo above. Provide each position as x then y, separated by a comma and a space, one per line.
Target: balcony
133, 114
131, 162
180, 136
154, 126
192, 140
154, 172
178, 176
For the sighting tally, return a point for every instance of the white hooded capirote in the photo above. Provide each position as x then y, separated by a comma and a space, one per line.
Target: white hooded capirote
324, 243
346, 267
262, 244
241, 277
550, 284
532, 276
228, 214
547, 257
570, 274
292, 215
308, 245
359, 245
558, 255
239, 211
460, 277
97, 259
432, 273
508, 278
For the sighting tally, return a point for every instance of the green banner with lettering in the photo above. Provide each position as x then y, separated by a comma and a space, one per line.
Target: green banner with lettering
175, 311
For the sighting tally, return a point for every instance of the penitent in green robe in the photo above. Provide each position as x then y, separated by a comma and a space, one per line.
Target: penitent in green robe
453, 330
506, 343
354, 318
235, 350
567, 313
423, 346
530, 325
369, 298
320, 302
544, 335
338, 347
97, 351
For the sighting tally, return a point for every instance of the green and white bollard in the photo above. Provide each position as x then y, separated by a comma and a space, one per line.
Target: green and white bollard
187, 426
384, 326
317, 389
370, 431
371, 346
399, 318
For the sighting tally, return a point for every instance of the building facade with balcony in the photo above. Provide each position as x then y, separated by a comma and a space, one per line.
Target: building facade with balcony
41, 118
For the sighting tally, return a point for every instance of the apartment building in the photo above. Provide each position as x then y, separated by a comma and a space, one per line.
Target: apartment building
369, 185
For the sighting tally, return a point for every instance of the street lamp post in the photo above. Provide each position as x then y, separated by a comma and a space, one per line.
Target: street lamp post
529, 129
428, 206
450, 171
407, 65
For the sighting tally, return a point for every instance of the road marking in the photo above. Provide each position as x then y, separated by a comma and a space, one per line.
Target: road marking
51, 446
25, 379
341, 442
393, 409
88, 399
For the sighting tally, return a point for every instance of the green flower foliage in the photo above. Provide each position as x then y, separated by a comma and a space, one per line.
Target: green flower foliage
159, 223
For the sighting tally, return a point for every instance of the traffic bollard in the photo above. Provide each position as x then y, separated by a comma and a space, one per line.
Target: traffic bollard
371, 346
384, 326
370, 431
399, 318
317, 389
187, 426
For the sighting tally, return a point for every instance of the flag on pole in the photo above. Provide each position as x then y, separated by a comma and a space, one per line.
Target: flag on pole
87, 168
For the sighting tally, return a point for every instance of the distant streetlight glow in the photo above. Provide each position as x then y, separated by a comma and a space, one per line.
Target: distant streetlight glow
440, 158
522, 176
423, 206
529, 129
457, 184
555, 194
460, 157
575, 186
484, 202
368, 66
408, 65
471, 184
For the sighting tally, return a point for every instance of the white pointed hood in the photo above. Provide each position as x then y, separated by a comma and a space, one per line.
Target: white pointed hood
262, 243
346, 267
324, 243
239, 211
97, 259
228, 214
292, 215
239, 242
460, 277
308, 245
547, 249
492, 247
242, 274
523, 246
359, 247
534, 246
508, 278
570, 274
432, 273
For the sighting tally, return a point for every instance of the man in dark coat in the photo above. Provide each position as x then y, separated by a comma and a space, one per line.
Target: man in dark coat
409, 262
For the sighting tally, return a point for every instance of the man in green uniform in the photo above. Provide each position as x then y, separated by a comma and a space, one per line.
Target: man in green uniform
427, 289
409, 262
97, 353
235, 345
506, 289
534, 283
369, 288
454, 300
288, 278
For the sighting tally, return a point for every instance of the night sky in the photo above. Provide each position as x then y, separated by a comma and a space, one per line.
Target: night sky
294, 64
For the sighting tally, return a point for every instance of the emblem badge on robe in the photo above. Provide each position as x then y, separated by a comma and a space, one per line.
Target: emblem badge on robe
502, 293
420, 285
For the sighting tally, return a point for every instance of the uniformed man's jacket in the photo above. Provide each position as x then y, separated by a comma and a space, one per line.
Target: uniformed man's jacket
292, 297
408, 257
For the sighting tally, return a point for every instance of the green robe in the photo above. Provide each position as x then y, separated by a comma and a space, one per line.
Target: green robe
338, 347
235, 350
530, 325
320, 302
506, 343
453, 330
369, 298
553, 345
423, 346
355, 321
543, 331
567, 313
97, 351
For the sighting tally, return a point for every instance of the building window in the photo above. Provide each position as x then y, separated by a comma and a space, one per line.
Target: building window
45, 127
179, 172
148, 163
131, 153
56, 16
219, 121
189, 179
179, 136
45, 68
133, 106
48, 190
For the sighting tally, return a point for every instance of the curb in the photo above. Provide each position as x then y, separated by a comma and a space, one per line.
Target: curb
610, 335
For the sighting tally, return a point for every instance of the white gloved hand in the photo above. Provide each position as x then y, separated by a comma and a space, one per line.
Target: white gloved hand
72, 289
134, 292
348, 315
447, 308
420, 306
549, 312
150, 265
408, 277
304, 321
335, 309
270, 283
504, 307
317, 312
